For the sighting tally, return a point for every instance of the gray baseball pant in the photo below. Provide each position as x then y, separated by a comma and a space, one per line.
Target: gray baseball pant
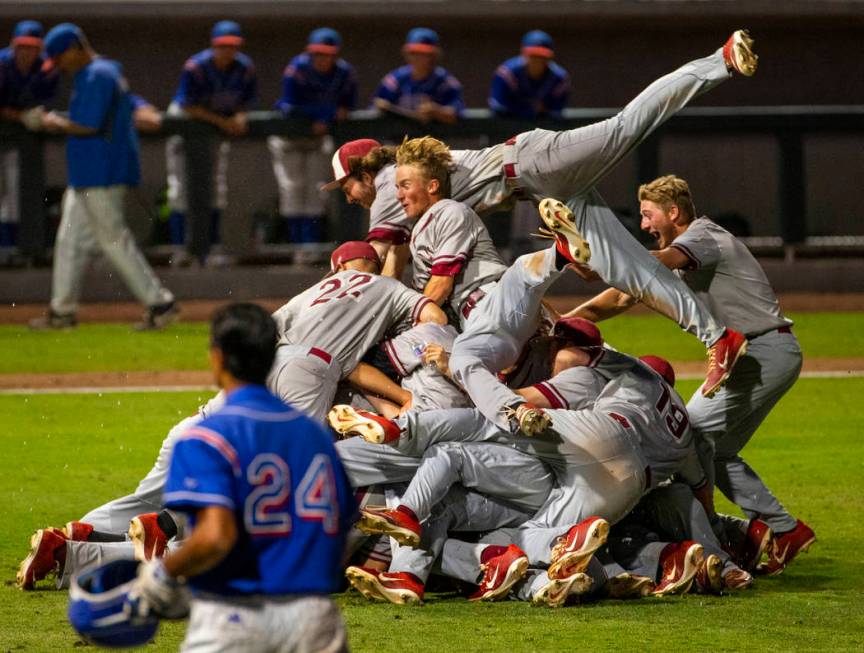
304, 380
301, 167
568, 164
93, 222
497, 330
726, 422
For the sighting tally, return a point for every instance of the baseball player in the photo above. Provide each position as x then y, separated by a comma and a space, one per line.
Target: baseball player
24, 90
453, 257
217, 86
421, 89
102, 159
569, 164
725, 275
531, 85
260, 567
322, 87
325, 330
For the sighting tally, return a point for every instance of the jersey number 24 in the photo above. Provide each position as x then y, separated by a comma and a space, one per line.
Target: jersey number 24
268, 509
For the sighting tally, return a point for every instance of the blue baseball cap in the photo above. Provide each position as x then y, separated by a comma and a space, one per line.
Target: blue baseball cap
62, 37
324, 40
28, 32
421, 39
538, 43
226, 32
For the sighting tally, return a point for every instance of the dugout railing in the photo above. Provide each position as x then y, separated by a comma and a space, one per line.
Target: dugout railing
786, 124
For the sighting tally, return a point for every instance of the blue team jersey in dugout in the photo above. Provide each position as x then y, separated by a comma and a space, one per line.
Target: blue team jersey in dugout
101, 100
307, 92
225, 92
516, 94
399, 88
279, 472
23, 91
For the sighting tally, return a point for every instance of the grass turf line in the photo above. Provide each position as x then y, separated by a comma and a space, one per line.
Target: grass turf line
65, 454
116, 348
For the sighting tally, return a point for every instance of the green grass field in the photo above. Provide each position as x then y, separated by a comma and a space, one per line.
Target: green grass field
115, 347
63, 454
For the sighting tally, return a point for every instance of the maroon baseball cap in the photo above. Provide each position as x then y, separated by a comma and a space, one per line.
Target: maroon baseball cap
351, 149
661, 366
578, 332
350, 250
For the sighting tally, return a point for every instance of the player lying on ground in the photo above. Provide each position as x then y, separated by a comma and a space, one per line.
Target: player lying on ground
728, 278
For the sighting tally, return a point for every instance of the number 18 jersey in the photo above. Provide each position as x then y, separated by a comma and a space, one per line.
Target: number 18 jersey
278, 472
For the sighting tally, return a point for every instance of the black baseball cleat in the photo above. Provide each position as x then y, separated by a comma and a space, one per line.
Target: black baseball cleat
158, 317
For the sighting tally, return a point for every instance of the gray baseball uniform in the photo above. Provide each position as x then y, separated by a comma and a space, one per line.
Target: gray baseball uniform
450, 240
727, 277
496, 331
326, 330
429, 388
568, 164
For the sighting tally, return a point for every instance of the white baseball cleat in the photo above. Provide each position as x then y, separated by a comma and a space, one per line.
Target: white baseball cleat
561, 225
397, 587
738, 53
531, 419
373, 428
572, 552
554, 594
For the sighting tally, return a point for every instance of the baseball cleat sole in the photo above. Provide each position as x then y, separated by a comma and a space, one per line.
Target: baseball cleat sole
561, 221
370, 587
738, 53
375, 525
346, 421
554, 594
573, 562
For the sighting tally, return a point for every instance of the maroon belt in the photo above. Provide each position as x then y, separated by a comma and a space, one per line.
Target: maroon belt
472, 301
320, 353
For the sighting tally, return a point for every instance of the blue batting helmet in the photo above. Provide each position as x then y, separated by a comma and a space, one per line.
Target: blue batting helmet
103, 609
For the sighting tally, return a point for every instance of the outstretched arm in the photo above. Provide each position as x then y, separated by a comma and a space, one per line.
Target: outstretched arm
373, 381
609, 303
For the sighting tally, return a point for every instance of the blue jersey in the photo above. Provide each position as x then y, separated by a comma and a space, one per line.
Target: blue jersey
101, 100
31, 89
279, 472
307, 92
515, 94
225, 92
399, 88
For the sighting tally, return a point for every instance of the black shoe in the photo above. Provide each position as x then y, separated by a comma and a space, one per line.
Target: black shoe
54, 321
158, 317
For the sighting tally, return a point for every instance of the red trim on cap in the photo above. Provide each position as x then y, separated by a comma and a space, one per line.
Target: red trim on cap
27, 40
227, 39
420, 47
538, 51
322, 48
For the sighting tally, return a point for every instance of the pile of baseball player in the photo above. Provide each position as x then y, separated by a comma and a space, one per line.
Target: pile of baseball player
494, 440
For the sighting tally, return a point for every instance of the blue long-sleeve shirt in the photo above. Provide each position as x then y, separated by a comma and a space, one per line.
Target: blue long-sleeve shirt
516, 94
307, 92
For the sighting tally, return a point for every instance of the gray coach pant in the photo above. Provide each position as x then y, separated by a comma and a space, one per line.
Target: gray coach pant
92, 222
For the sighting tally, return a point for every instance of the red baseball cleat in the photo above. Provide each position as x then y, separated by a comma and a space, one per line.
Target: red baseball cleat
707, 579
756, 543
680, 561
397, 587
629, 586
561, 225
555, 593
572, 552
43, 560
373, 428
147, 537
738, 53
77, 531
737, 579
500, 573
398, 524
785, 547
722, 356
